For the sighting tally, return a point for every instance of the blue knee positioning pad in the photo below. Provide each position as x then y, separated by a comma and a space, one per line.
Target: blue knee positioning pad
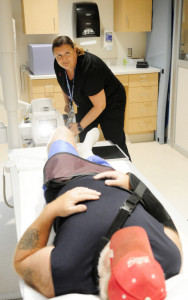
98, 160
61, 146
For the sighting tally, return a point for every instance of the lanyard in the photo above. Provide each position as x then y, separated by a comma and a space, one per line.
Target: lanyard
68, 85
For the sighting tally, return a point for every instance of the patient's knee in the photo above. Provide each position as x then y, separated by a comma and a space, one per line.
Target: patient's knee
61, 133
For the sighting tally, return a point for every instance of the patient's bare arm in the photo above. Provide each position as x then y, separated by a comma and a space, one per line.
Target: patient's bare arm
32, 256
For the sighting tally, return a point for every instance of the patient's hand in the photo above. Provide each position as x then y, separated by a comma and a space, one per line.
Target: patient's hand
115, 178
68, 203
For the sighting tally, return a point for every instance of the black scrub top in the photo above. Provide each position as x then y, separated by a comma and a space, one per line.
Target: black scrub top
91, 76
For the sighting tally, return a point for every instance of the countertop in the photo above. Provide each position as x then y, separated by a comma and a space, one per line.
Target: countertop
116, 69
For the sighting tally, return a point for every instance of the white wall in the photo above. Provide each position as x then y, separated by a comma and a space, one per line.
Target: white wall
181, 126
122, 41
3, 116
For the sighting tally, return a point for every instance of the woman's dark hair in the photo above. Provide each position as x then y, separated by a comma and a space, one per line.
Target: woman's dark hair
65, 40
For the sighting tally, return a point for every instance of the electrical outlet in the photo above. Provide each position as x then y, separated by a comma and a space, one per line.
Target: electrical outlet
129, 52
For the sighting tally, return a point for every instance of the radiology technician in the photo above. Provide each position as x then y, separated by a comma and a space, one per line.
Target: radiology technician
99, 95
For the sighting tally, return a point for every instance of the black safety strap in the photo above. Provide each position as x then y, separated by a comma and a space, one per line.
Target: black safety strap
124, 212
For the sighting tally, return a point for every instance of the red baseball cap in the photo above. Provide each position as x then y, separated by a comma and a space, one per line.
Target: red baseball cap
135, 274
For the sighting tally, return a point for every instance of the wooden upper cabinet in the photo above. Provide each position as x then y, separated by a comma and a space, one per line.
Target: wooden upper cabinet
132, 15
40, 16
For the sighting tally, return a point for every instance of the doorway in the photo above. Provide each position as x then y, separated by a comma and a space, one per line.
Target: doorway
178, 129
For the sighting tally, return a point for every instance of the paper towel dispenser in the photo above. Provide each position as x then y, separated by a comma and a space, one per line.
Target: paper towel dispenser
86, 20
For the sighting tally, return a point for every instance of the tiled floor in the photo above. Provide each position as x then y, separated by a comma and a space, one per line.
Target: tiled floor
166, 169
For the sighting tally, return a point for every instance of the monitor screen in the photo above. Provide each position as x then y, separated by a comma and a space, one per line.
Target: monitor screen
46, 127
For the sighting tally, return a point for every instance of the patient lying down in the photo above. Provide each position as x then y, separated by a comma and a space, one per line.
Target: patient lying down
83, 197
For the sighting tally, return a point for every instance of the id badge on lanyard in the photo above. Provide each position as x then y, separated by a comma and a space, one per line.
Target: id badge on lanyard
71, 113
69, 89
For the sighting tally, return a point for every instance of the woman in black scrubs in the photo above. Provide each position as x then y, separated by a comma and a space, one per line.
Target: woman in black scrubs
99, 95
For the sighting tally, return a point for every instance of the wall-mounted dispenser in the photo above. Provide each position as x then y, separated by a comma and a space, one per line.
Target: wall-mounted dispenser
86, 20
108, 40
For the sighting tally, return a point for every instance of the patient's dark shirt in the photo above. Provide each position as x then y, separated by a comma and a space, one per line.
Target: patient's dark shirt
77, 237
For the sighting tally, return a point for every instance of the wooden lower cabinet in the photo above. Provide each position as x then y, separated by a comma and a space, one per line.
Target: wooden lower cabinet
142, 125
124, 79
141, 103
46, 88
140, 94
143, 80
142, 109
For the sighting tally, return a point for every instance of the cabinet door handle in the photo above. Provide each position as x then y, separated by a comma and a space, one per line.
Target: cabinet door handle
127, 22
54, 22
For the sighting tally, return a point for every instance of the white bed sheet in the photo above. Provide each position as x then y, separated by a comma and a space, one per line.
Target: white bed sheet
26, 173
